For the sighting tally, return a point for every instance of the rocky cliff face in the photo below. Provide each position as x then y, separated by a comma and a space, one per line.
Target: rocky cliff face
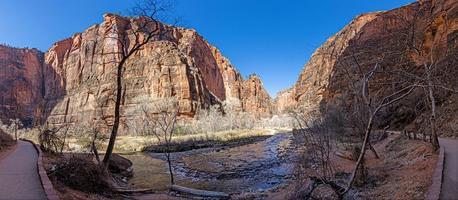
20, 83
314, 78
181, 65
255, 98
386, 38
75, 79
284, 101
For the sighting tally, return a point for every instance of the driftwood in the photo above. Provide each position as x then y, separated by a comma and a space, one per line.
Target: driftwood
201, 193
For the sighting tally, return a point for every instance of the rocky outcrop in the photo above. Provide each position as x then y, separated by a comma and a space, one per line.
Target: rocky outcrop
21, 85
386, 38
255, 98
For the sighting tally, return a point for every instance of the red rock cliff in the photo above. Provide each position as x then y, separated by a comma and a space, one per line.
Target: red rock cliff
75, 79
21, 80
384, 35
255, 98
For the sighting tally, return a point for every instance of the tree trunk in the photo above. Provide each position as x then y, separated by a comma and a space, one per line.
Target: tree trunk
15, 131
114, 130
360, 160
169, 162
373, 150
435, 140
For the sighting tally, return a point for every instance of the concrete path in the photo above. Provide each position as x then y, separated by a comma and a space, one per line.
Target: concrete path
19, 176
449, 189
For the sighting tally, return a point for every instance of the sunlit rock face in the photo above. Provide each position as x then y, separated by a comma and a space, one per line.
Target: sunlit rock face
181, 64
383, 37
75, 79
176, 66
284, 101
255, 98
21, 80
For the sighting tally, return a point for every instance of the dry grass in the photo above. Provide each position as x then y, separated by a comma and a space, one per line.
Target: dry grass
404, 172
127, 144
138, 143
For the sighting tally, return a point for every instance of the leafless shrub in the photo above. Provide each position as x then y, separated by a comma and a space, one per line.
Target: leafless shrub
5, 140
276, 121
161, 118
317, 134
81, 173
52, 139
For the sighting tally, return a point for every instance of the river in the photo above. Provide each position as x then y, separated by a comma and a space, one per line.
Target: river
255, 167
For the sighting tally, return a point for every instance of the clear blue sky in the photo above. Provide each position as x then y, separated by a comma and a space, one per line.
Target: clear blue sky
272, 38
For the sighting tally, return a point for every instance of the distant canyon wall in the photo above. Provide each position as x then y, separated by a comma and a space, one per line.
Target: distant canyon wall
21, 83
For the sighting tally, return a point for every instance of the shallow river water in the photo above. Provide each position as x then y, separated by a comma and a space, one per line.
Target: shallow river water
254, 167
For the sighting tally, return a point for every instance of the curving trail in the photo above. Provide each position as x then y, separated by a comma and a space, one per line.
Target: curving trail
19, 175
449, 190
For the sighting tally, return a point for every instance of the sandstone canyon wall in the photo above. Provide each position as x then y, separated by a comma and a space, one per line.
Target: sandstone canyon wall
21, 88
284, 101
255, 98
75, 79
387, 38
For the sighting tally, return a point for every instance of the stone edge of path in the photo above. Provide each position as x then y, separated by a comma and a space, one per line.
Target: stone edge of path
434, 189
50, 192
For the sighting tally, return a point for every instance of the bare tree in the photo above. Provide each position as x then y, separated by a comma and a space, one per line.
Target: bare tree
146, 28
318, 134
15, 125
231, 106
162, 118
430, 77
374, 105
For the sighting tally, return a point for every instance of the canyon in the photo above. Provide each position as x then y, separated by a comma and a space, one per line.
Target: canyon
74, 79
320, 136
432, 26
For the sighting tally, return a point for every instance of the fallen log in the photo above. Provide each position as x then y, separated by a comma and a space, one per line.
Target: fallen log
201, 193
130, 191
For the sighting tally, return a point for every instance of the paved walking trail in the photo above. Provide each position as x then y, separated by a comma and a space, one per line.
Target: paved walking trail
449, 189
19, 176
